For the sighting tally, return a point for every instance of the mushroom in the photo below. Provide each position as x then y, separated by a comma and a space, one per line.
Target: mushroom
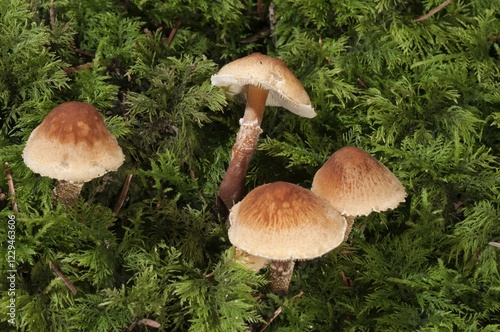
263, 80
356, 184
72, 145
251, 261
284, 222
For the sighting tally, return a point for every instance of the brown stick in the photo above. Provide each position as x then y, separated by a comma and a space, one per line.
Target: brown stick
260, 10
52, 15
150, 323
361, 83
63, 278
123, 194
432, 12
173, 32
12, 189
277, 312
80, 67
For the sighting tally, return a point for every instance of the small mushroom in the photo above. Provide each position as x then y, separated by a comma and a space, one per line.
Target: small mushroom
72, 145
251, 261
356, 184
263, 80
284, 222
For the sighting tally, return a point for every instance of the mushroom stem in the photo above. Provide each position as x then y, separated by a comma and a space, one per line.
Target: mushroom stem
280, 274
67, 192
231, 189
350, 223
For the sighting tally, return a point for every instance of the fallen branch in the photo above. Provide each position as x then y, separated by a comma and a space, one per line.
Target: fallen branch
173, 32
52, 15
432, 12
123, 194
12, 190
65, 280
277, 312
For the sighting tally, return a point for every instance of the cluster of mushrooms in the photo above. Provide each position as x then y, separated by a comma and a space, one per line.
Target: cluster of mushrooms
280, 222
276, 223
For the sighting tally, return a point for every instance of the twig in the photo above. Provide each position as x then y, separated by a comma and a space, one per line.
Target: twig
63, 278
52, 15
150, 323
494, 244
12, 189
123, 194
259, 35
360, 82
494, 37
277, 312
432, 12
260, 10
80, 67
173, 32
344, 279
133, 325
145, 321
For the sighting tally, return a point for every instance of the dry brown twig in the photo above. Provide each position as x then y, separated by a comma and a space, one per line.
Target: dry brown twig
65, 280
12, 189
277, 312
52, 15
173, 32
123, 194
432, 12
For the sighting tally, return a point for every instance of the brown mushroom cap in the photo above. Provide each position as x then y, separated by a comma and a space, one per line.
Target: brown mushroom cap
72, 144
285, 90
283, 221
356, 183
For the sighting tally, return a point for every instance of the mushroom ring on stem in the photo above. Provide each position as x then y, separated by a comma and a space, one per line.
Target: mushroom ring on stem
262, 80
283, 222
72, 145
356, 184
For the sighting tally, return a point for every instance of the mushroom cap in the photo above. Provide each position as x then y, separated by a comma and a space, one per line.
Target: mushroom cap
283, 221
285, 90
356, 183
72, 144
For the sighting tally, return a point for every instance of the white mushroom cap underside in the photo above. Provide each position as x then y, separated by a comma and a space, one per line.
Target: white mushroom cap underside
285, 90
282, 221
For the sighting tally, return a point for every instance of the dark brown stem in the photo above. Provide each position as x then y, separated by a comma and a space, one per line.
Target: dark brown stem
12, 189
67, 193
432, 12
231, 189
280, 275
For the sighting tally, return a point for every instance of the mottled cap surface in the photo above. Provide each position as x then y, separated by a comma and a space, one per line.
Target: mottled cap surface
283, 221
356, 183
72, 144
285, 90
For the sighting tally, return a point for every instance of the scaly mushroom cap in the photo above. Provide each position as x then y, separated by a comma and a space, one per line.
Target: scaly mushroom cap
283, 221
72, 144
356, 183
285, 90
